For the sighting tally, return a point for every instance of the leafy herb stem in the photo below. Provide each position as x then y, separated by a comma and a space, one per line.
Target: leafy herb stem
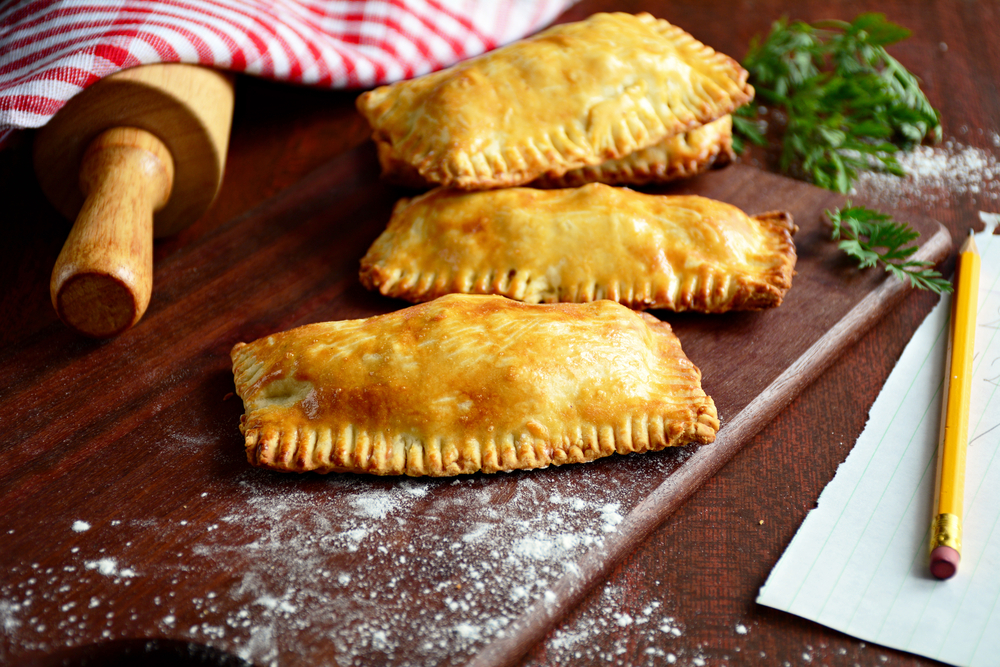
849, 105
872, 238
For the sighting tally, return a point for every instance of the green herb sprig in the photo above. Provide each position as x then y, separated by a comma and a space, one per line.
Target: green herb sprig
872, 238
849, 105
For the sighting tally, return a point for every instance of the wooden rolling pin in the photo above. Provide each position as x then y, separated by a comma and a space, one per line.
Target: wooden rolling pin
139, 154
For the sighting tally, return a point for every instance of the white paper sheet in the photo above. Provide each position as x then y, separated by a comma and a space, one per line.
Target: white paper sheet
859, 563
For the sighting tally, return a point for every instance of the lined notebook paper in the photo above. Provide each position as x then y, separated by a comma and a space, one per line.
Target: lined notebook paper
859, 562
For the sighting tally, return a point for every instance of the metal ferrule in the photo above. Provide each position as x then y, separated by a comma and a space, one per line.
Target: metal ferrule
946, 531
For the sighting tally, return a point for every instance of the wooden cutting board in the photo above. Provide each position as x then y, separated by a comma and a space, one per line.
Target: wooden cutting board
128, 511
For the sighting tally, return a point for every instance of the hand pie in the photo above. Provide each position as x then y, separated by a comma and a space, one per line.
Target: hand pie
574, 95
469, 383
680, 156
584, 244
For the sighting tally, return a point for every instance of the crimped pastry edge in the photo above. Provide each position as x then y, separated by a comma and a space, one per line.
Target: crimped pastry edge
704, 292
680, 156
684, 155
356, 451
553, 154
350, 449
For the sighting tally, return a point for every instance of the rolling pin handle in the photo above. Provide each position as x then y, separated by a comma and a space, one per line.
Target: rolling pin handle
103, 278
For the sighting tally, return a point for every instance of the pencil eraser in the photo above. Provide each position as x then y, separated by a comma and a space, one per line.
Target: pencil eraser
944, 562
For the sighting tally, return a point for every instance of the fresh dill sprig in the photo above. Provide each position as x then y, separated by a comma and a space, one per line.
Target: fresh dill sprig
872, 238
850, 106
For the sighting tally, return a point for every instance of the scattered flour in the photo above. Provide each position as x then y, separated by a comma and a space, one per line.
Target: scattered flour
8, 615
109, 568
376, 567
80, 526
937, 175
598, 634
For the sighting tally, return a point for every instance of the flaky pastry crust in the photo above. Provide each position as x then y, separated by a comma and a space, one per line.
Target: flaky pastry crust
574, 95
680, 156
584, 244
466, 384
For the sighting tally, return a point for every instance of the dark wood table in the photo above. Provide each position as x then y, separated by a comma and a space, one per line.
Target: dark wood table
686, 594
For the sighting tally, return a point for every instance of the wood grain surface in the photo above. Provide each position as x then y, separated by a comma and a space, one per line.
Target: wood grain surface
128, 513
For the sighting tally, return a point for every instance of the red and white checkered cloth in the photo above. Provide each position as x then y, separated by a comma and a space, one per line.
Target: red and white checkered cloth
52, 49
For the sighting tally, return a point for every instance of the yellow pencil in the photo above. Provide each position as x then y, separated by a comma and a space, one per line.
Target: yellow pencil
946, 529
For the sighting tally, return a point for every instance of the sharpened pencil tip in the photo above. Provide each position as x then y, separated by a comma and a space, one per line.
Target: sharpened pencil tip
969, 245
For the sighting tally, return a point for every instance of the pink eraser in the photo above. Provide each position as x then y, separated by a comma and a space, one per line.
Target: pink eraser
944, 562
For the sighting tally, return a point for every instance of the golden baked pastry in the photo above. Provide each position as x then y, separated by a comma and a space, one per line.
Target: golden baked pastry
469, 383
680, 156
574, 95
583, 244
